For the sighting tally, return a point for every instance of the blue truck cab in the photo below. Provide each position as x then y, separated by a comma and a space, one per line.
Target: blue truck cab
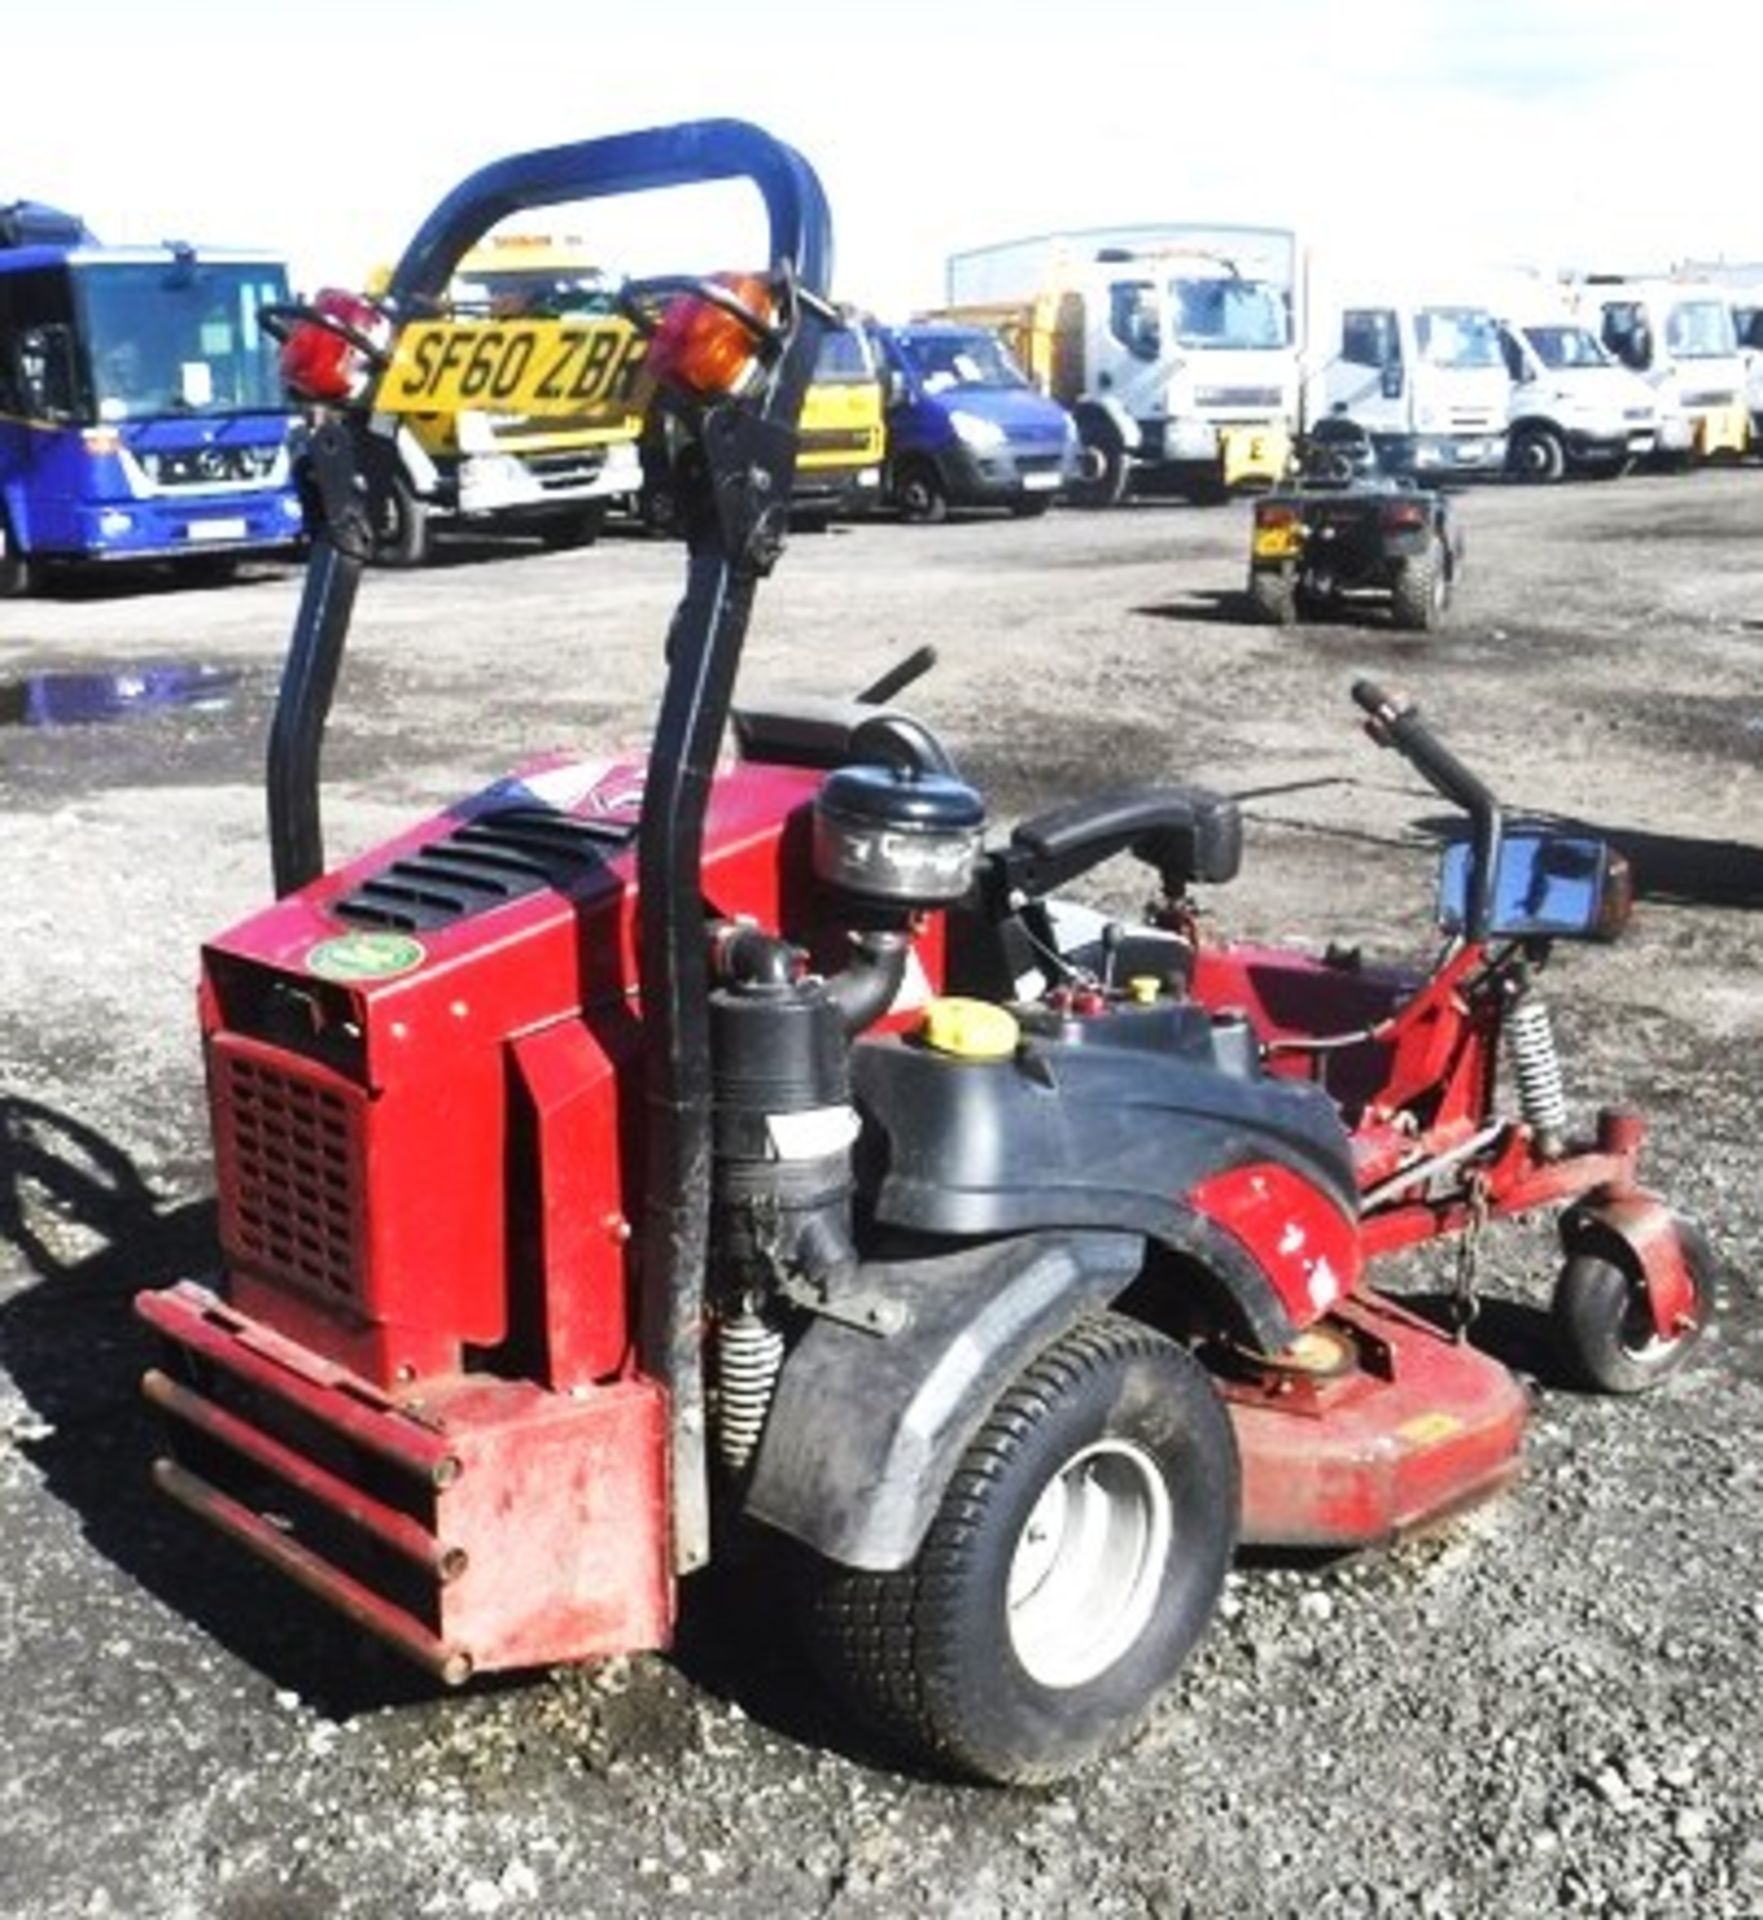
141, 409
966, 428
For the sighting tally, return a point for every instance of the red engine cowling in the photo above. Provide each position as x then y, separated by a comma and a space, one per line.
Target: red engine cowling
424, 1077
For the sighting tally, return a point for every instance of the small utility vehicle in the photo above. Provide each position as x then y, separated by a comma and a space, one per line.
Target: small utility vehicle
1344, 534
642, 1163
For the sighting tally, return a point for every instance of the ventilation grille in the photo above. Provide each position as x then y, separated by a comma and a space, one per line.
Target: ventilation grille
290, 1204
497, 857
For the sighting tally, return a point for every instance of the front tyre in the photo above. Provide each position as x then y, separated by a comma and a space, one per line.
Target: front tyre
919, 494
1537, 454
1078, 1552
17, 573
1103, 468
404, 538
1605, 1332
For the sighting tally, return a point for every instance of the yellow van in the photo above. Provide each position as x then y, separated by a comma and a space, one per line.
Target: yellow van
842, 437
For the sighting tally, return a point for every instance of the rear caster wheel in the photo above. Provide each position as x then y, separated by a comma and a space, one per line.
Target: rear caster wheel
1605, 1332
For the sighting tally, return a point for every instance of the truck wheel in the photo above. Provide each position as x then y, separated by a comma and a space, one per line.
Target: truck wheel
1421, 589
1102, 472
1605, 1333
1078, 1552
1536, 454
1273, 593
919, 494
563, 532
18, 576
404, 538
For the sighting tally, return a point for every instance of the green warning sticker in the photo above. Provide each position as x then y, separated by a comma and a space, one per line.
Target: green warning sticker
365, 956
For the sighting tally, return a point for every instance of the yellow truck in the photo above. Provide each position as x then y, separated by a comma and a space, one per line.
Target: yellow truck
842, 439
477, 457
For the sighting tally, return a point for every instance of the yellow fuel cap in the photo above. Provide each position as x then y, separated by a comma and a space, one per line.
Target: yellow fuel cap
970, 1029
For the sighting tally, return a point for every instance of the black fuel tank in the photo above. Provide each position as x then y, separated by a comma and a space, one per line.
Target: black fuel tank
1105, 1122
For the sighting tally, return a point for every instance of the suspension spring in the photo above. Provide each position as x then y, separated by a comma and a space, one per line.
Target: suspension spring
749, 1354
1536, 1063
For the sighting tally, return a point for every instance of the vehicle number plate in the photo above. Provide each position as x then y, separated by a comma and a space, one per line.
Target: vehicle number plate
1040, 482
218, 529
523, 367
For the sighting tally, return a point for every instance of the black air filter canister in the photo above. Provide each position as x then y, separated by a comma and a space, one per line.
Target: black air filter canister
900, 837
782, 1132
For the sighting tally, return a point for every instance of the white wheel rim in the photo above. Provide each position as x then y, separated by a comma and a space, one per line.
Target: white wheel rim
1089, 1564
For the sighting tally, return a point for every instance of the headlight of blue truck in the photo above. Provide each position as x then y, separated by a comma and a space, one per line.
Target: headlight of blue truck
981, 435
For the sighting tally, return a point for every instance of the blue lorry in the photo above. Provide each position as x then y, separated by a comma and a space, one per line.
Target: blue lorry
966, 428
141, 411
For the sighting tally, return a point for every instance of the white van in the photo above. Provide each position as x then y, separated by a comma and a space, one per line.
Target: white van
1424, 377
1574, 408
1678, 336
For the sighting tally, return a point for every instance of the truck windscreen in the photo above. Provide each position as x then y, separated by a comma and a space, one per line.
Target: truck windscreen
175, 337
1563, 346
1249, 315
1699, 330
1460, 337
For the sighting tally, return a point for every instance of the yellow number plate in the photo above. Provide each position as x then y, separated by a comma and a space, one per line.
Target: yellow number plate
1278, 543
530, 367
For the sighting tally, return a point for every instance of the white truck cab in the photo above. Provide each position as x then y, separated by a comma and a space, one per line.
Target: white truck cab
1747, 320
1678, 336
1425, 377
1173, 346
1574, 408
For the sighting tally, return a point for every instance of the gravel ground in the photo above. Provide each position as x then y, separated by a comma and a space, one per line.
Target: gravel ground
1552, 1704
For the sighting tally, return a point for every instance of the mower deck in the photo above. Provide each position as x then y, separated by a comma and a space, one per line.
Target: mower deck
1379, 1423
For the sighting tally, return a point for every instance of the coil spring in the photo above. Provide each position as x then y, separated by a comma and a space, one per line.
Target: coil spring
749, 1354
1536, 1063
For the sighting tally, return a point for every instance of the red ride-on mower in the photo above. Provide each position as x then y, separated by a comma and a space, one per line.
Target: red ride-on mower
636, 1165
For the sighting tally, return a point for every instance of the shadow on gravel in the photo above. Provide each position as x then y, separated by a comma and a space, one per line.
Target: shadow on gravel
738, 1641
1216, 606
76, 1352
1514, 1332
147, 580
1209, 606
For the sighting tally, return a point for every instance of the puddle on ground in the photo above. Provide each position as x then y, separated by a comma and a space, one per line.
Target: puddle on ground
80, 699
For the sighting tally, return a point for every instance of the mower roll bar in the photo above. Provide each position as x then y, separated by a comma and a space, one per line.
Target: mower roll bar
698, 151
1393, 720
751, 444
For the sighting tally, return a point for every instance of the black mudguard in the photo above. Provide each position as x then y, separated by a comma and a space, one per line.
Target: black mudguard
866, 1428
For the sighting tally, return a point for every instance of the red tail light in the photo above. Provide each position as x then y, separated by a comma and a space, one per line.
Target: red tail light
1266, 516
705, 349
334, 362
1404, 513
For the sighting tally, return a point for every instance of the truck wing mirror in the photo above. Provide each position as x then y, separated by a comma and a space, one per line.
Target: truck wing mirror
43, 372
